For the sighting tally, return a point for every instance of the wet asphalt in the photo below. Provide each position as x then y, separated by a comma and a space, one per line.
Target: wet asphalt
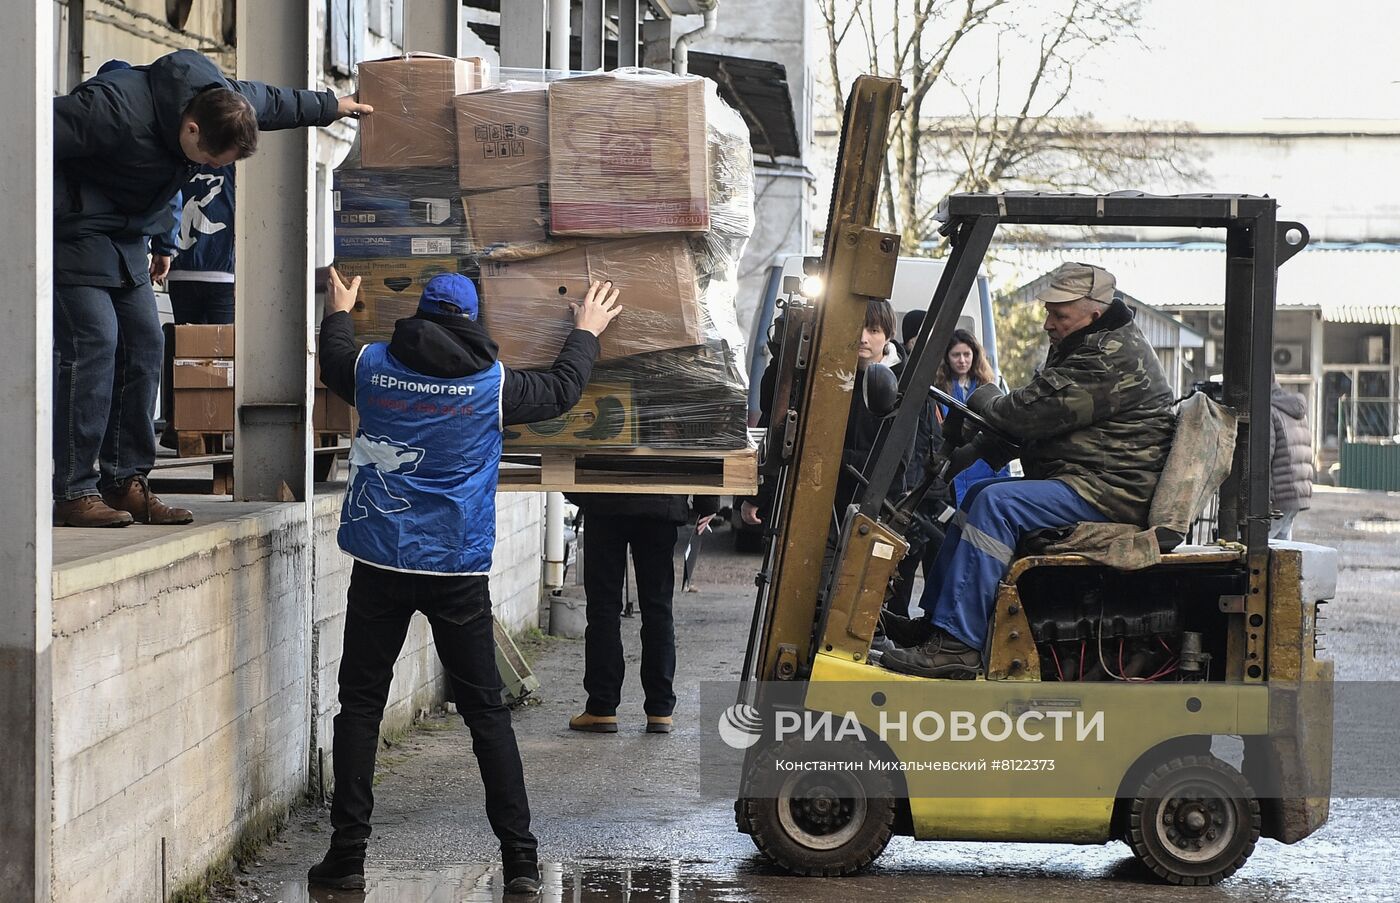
622, 817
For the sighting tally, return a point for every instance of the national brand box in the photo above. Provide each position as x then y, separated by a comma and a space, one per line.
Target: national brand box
393, 199
360, 243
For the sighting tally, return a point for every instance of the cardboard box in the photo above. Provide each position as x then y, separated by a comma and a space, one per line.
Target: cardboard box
329, 412
627, 155
389, 290
503, 136
396, 198
605, 416
525, 304
203, 373
199, 340
358, 243
413, 120
204, 410
509, 217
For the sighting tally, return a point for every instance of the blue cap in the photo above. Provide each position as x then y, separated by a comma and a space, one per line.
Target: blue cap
450, 294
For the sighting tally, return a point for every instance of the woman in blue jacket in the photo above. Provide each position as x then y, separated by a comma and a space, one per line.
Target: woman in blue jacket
964, 368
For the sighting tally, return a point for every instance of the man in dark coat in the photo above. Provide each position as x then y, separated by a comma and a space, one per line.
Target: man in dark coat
1095, 426
125, 142
646, 523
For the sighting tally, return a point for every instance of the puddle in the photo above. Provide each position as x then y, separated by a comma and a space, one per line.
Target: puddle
561, 883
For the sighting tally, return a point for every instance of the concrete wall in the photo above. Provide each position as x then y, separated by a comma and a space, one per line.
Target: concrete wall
194, 683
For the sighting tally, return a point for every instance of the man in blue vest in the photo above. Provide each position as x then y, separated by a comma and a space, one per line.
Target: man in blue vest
420, 521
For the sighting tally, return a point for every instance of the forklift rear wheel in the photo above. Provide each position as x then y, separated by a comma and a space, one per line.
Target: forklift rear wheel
1194, 821
825, 823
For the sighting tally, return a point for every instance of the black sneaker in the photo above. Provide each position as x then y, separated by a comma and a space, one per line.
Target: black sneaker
906, 633
941, 656
522, 872
343, 868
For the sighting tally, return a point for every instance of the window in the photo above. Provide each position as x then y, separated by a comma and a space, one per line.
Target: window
347, 35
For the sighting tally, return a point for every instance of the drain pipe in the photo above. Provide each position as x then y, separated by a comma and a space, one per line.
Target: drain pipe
554, 501
680, 56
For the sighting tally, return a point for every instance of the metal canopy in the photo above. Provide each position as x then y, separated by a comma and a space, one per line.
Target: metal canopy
758, 89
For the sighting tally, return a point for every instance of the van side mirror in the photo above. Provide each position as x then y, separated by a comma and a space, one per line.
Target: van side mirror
881, 390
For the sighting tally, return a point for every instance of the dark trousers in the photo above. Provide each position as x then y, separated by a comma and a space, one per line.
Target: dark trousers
107, 353
201, 302
381, 604
605, 542
922, 553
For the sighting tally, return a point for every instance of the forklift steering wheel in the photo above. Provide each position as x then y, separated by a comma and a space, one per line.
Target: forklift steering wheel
976, 420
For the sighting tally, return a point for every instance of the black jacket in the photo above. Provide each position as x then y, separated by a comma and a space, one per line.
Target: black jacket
451, 347
117, 159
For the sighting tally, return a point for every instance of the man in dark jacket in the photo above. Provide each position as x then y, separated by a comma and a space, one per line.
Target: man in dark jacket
1095, 426
420, 521
124, 143
646, 523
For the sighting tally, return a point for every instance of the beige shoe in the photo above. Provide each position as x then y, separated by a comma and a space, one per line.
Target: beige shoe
594, 724
658, 724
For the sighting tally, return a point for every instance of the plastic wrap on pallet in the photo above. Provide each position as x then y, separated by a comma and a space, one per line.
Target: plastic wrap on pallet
641, 178
413, 120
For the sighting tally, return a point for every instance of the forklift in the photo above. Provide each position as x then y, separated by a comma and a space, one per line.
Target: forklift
1190, 763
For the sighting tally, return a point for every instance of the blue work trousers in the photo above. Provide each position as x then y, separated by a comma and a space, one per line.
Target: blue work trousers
981, 542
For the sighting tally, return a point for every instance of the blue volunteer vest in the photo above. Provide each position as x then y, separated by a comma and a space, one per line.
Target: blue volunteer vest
423, 468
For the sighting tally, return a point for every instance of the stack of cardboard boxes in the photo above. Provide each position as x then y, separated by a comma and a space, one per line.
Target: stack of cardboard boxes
202, 386
535, 188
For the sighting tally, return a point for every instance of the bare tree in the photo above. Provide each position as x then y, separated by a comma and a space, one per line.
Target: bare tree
1002, 74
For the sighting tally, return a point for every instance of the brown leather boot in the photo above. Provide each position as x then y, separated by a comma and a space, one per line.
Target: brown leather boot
136, 497
88, 511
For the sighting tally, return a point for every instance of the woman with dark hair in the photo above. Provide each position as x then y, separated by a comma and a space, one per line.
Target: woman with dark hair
964, 368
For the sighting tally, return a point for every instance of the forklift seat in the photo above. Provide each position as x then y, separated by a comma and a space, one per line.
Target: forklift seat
1202, 452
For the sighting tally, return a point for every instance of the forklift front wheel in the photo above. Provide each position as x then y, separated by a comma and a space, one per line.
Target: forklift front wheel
823, 823
1194, 821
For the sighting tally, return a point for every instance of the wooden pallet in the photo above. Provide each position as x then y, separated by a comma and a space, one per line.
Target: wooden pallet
638, 470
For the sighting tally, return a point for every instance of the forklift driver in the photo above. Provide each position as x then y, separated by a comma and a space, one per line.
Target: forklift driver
1095, 425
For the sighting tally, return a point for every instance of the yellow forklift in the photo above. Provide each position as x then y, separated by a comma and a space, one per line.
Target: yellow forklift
1180, 708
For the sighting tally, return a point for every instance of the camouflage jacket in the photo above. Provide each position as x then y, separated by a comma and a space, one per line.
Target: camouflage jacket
1098, 417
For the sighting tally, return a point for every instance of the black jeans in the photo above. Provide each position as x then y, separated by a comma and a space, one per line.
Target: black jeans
381, 604
107, 353
921, 552
605, 542
201, 302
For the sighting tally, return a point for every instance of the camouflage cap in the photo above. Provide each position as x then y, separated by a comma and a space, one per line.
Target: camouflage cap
1072, 281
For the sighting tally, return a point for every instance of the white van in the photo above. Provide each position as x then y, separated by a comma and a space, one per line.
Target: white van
915, 279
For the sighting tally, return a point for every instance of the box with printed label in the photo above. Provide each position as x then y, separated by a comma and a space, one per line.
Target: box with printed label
358, 243
604, 416
413, 119
396, 198
203, 373
503, 136
628, 155
389, 290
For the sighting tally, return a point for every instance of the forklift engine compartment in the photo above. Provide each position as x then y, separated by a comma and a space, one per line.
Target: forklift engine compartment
1097, 623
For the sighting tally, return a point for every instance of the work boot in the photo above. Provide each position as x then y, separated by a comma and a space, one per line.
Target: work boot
942, 656
88, 511
135, 496
594, 724
521, 870
658, 724
343, 868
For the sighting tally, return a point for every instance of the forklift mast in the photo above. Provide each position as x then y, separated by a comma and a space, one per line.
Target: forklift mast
811, 589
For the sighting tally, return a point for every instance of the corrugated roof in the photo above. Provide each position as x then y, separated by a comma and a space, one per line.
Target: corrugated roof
1348, 285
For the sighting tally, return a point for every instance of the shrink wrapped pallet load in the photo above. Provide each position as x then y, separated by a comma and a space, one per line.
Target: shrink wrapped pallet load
641, 178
